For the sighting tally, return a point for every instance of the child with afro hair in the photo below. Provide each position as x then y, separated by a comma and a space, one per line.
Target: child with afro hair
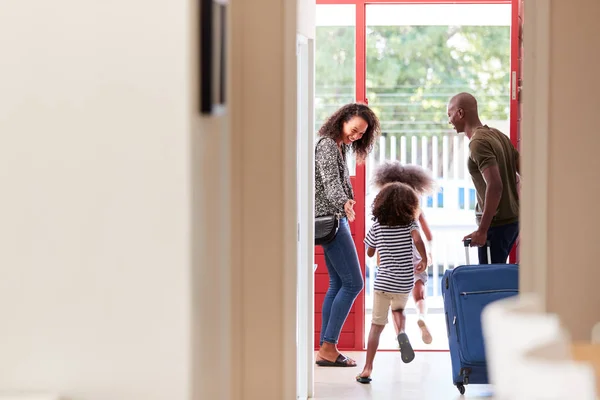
421, 181
393, 235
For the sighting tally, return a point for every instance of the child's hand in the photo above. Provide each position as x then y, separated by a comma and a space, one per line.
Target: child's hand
429, 259
421, 266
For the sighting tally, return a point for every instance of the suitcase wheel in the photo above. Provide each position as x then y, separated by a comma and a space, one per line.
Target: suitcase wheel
461, 388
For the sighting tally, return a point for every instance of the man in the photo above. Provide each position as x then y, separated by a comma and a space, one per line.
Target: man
494, 167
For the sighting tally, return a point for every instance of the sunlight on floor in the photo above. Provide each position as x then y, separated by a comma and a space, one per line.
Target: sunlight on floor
428, 377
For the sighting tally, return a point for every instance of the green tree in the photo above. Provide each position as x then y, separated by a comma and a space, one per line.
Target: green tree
413, 70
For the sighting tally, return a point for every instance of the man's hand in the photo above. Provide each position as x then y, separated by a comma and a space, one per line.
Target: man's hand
349, 209
478, 238
421, 266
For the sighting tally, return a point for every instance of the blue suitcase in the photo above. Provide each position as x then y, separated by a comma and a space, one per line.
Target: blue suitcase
467, 289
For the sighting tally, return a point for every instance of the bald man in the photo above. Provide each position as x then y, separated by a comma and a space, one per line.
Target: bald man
494, 167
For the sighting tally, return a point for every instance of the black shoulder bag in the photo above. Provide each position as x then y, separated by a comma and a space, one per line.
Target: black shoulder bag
326, 227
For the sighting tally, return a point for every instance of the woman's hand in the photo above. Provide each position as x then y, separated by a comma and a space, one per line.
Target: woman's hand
349, 209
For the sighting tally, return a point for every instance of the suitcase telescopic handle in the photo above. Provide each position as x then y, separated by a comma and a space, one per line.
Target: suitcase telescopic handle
467, 244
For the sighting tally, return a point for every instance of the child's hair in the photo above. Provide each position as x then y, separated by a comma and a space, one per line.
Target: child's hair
414, 176
397, 204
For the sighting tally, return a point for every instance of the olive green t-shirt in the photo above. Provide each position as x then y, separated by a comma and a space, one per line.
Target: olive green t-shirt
489, 147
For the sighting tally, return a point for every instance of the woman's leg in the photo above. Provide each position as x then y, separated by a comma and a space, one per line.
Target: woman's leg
344, 261
335, 284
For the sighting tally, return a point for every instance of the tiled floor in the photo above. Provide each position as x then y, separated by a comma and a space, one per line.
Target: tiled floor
428, 377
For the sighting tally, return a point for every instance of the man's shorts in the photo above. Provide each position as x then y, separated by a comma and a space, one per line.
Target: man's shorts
382, 302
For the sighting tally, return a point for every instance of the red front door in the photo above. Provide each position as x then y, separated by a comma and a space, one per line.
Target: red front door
352, 336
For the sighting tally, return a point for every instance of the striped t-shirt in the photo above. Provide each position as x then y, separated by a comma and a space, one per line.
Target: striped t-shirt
396, 273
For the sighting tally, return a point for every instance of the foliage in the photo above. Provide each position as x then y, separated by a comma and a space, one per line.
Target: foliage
412, 71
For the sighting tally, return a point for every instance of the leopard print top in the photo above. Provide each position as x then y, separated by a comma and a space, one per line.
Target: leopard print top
332, 178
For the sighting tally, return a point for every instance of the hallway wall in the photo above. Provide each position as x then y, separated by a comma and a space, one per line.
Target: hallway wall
574, 188
95, 208
560, 238
138, 237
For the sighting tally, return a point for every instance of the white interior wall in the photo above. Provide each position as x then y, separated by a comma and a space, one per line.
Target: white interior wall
95, 211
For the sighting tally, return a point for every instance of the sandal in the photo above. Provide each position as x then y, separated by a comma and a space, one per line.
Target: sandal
406, 350
341, 361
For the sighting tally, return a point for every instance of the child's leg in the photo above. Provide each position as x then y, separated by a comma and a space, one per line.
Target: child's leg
372, 346
399, 320
381, 305
398, 305
399, 317
419, 297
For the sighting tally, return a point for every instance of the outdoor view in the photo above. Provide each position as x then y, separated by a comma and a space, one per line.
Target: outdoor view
412, 71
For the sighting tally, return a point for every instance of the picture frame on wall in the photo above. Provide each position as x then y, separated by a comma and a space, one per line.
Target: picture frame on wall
213, 56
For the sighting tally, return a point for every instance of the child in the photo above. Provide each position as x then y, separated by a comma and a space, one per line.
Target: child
393, 233
421, 181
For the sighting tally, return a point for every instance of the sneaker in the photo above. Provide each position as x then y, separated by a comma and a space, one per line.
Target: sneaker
425, 334
406, 350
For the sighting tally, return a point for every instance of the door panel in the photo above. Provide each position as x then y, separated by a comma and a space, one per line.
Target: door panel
336, 58
516, 85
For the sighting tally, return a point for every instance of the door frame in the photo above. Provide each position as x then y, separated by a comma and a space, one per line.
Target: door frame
516, 74
305, 204
361, 96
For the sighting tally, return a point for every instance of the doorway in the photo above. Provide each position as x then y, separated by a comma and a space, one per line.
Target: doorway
406, 60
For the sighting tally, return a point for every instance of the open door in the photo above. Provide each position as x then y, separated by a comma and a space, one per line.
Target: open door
516, 84
343, 27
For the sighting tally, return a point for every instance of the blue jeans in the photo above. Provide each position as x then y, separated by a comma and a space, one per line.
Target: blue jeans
501, 238
345, 283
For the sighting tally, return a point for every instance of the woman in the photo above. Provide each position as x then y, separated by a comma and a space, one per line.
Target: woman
354, 126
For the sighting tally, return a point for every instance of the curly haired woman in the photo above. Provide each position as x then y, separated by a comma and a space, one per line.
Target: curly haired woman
354, 127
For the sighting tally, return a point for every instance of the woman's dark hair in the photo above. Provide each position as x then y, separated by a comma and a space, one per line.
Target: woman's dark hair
333, 128
414, 176
397, 204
